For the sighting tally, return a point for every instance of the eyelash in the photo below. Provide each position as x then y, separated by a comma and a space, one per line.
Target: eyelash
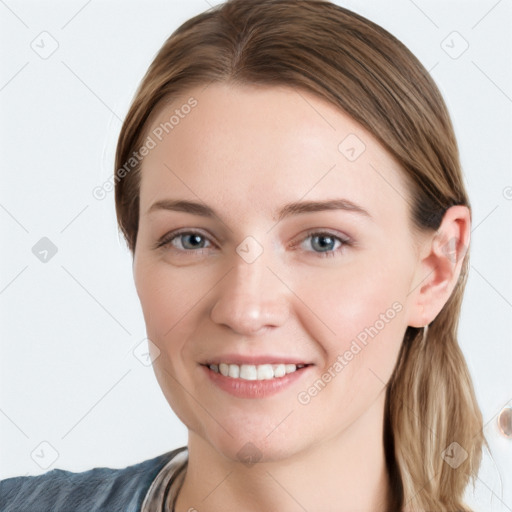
345, 241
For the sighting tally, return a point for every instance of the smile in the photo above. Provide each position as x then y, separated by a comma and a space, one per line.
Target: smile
255, 372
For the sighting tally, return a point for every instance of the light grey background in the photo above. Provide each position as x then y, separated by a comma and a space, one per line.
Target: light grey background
75, 391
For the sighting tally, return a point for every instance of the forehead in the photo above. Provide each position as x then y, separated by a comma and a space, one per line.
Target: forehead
254, 146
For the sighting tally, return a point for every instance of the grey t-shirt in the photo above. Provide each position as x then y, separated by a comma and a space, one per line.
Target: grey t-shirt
149, 486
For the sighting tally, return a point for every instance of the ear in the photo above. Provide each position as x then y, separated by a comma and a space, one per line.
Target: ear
439, 266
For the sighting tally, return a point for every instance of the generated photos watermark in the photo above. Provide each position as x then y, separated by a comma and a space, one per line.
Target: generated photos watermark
342, 360
156, 136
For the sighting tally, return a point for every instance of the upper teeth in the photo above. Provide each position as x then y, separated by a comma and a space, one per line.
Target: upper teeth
254, 372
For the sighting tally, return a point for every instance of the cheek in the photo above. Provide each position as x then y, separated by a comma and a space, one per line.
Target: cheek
349, 299
164, 298
358, 315
168, 308
174, 304
360, 327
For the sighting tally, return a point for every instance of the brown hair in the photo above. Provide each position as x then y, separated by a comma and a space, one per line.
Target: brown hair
365, 71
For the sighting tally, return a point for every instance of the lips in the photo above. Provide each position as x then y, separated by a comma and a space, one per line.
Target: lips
244, 380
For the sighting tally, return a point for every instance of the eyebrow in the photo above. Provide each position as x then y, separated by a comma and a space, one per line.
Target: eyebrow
294, 208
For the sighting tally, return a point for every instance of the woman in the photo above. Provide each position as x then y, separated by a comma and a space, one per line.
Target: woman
288, 181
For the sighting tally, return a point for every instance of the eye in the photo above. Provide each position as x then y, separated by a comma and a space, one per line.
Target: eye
184, 241
325, 242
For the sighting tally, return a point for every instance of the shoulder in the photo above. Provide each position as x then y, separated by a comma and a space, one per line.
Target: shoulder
95, 490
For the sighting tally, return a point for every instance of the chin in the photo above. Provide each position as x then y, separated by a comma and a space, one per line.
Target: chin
255, 444
257, 450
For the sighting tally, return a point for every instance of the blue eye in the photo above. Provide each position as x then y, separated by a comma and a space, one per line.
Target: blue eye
186, 237
324, 243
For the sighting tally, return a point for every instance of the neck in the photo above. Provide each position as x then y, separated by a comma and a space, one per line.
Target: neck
346, 473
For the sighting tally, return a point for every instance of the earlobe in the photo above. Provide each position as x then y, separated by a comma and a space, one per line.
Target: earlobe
440, 266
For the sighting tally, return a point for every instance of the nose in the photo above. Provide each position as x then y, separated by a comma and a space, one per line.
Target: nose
251, 298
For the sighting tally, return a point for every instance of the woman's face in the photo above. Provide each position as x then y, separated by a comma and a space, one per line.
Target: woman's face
244, 280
